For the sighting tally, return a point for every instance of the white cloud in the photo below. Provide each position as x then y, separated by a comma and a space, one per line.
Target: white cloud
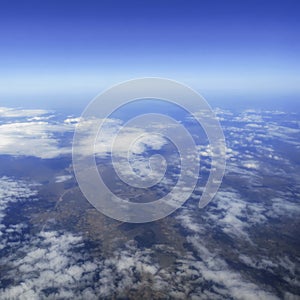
63, 178
72, 120
283, 207
226, 282
58, 263
129, 139
251, 165
19, 112
35, 138
12, 191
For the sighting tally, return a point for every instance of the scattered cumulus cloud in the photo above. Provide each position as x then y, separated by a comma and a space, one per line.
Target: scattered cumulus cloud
63, 178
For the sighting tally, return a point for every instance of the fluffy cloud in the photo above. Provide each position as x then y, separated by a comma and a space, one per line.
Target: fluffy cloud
12, 191
32, 139
57, 264
32, 133
63, 178
6, 112
53, 267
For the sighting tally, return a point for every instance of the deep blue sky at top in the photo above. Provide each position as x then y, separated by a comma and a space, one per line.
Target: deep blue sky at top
73, 49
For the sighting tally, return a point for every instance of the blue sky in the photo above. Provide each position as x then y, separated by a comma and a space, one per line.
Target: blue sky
68, 51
